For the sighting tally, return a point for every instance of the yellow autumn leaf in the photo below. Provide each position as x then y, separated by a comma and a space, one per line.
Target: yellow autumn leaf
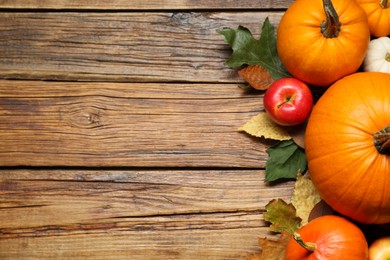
304, 197
262, 126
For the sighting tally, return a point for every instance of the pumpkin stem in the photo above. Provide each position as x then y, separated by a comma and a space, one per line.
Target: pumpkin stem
384, 4
382, 140
330, 27
309, 246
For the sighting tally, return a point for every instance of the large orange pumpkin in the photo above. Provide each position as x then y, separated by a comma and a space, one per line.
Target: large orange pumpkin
320, 43
347, 144
378, 13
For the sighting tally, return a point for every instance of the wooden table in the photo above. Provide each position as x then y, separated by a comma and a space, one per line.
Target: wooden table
118, 131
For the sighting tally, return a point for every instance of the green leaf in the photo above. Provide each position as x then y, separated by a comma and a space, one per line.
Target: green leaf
282, 216
285, 160
249, 51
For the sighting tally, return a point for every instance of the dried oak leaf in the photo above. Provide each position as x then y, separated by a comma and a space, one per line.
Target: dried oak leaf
271, 249
258, 77
282, 216
262, 126
283, 219
304, 197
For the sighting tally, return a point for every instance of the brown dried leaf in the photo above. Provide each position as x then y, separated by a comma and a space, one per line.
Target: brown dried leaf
256, 76
321, 209
298, 135
262, 126
271, 249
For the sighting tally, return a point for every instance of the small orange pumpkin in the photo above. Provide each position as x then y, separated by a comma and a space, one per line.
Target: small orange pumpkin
321, 41
328, 237
378, 14
347, 144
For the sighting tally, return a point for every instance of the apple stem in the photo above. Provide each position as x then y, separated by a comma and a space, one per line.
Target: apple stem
286, 100
309, 246
330, 27
382, 140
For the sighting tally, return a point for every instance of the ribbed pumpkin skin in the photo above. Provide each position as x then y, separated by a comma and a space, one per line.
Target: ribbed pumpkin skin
311, 57
378, 17
347, 170
336, 239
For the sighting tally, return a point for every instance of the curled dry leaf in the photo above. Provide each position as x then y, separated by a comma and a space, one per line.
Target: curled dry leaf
304, 197
256, 76
320, 209
297, 133
262, 126
271, 249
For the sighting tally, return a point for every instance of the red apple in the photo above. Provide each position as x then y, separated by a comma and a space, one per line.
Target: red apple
379, 249
288, 101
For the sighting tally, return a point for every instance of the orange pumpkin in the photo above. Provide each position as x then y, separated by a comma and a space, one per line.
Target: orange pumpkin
378, 13
347, 144
328, 237
319, 42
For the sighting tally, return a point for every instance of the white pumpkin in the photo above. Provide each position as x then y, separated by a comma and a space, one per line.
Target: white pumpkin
378, 55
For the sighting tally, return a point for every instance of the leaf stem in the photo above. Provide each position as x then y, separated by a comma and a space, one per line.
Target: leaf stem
309, 246
330, 27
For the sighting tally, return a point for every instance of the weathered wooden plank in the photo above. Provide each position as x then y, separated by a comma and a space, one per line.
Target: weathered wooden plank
145, 5
41, 198
123, 124
138, 245
120, 46
108, 214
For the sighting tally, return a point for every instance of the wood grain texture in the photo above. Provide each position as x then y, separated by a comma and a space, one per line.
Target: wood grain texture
112, 214
118, 131
119, 46
145, 5
138, 245
129, 125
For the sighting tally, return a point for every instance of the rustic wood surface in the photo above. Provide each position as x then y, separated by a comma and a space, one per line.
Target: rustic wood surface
145, 5
127, 124
124, 46
118, 131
